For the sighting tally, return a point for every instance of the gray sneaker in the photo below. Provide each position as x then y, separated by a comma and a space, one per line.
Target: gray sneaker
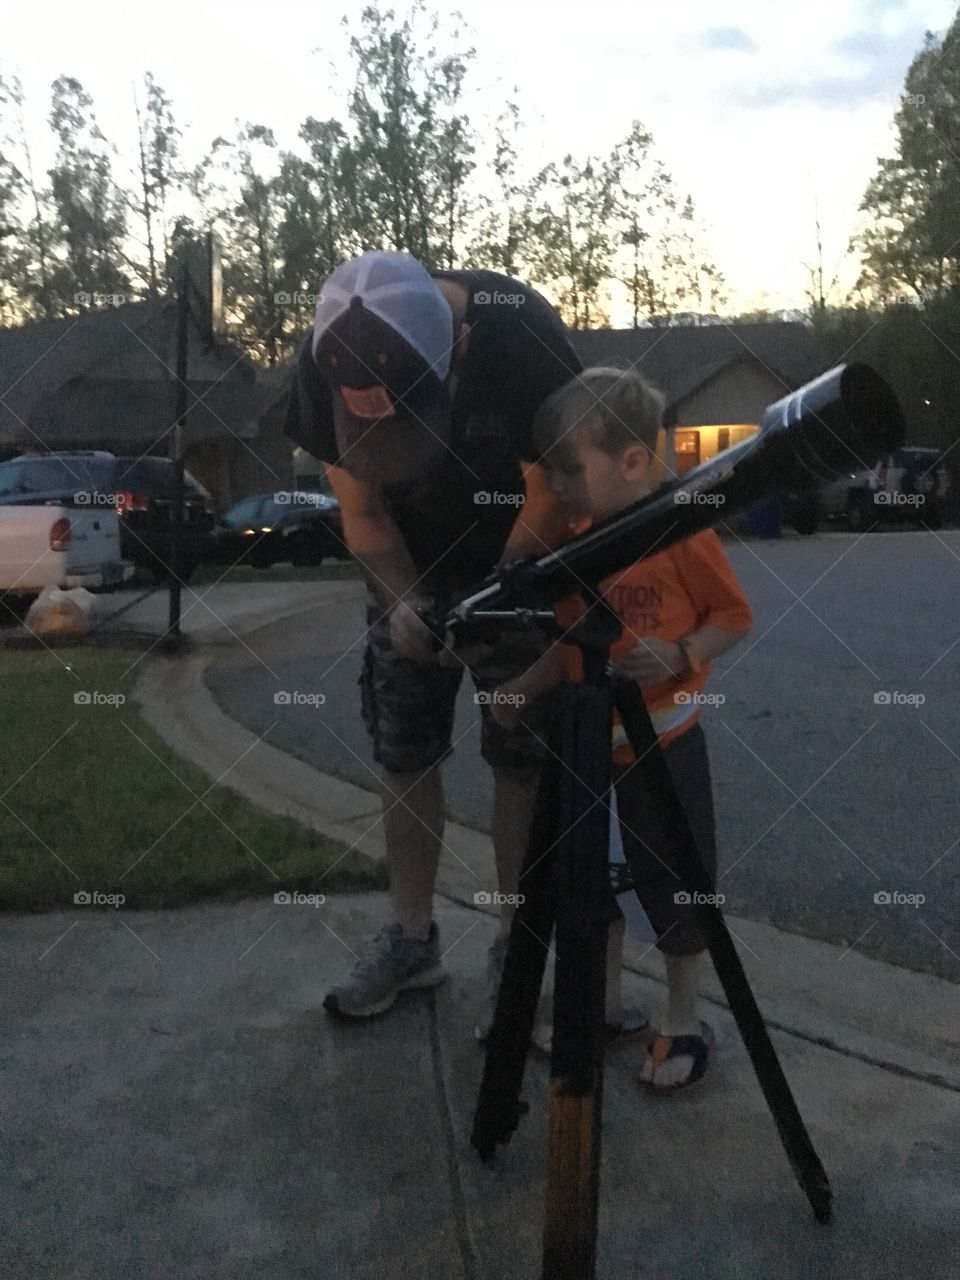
391, 963
495, 958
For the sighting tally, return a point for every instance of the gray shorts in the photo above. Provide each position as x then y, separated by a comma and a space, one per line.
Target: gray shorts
408, 707
650, 844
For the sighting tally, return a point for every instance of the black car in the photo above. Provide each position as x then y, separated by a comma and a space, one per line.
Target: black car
141, 490
269, 528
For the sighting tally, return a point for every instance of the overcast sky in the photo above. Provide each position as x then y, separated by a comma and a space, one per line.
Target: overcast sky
755, 108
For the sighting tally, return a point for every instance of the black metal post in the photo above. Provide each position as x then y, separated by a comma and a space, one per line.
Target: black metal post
174, 636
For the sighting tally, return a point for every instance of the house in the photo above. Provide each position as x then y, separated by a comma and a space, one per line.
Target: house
717, 378
106, 380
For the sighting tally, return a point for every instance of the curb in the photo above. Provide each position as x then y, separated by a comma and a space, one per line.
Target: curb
894, 1018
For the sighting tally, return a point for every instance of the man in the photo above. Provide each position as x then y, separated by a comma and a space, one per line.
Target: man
418, 390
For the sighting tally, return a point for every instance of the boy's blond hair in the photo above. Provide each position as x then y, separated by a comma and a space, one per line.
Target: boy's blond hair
604, 406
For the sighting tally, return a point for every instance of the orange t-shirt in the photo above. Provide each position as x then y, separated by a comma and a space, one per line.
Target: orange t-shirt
668, 594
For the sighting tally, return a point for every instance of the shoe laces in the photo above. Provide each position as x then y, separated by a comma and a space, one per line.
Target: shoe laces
379, 948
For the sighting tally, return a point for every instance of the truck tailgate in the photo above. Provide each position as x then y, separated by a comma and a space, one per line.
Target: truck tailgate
89, 554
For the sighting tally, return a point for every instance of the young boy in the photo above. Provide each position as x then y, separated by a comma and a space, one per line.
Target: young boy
600, 436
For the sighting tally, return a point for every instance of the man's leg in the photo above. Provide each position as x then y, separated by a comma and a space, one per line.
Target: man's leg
413, 823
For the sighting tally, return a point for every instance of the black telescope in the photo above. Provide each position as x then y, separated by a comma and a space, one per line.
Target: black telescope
847, 418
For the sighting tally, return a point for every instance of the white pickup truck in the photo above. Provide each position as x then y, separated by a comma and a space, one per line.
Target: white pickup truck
54, 545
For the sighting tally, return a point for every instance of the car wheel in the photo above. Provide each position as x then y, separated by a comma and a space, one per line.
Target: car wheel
859, 516
931, 517
806, 515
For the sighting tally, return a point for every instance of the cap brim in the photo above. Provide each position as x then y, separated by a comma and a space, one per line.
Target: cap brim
393, 450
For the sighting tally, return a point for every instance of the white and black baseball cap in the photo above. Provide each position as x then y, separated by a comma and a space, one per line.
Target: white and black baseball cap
382, 338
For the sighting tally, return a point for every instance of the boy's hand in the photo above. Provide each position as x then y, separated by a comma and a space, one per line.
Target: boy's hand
507, 704
651, 661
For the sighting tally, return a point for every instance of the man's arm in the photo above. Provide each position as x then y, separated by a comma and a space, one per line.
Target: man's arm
375, 542
541, 523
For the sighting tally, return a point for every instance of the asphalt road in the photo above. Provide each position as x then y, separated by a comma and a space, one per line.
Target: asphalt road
825, 797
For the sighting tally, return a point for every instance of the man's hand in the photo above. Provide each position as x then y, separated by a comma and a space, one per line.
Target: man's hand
651, 661
409, 634
468, 656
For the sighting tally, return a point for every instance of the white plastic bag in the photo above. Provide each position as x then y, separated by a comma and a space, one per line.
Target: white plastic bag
60, 613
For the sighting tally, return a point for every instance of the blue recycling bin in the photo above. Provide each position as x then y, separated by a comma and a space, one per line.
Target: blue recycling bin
765, 519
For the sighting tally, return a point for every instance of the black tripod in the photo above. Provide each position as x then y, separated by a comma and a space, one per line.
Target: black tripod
565, 883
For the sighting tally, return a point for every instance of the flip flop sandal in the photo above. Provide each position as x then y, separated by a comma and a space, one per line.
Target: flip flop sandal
633, 1025
664, 1048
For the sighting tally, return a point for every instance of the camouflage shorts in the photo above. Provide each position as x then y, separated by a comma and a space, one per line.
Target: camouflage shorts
408, 707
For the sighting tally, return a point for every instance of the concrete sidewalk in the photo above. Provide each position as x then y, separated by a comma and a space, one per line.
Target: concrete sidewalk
214, 613
176, 1104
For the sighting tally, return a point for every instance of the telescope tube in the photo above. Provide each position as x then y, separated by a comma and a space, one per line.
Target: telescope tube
847, 417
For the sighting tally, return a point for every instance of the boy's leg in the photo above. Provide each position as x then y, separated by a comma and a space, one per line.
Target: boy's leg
680, 938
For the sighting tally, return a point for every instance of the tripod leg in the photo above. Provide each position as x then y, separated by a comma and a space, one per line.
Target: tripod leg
800, 1151
576, 1069
498, 1106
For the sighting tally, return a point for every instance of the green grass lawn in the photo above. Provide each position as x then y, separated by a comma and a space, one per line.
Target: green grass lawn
92, 800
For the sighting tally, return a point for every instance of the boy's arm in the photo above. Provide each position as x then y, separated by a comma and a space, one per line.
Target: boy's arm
545, 674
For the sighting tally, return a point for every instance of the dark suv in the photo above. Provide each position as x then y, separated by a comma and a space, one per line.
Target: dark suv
141, 490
